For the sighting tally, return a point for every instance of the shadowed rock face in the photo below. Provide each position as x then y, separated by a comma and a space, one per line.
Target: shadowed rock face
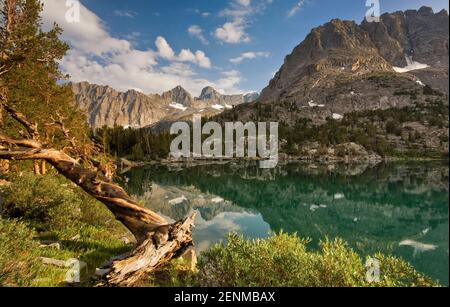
343, 49
106, 106
421, 34
178, 95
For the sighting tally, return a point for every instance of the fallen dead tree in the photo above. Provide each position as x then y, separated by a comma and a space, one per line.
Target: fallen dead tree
157, 241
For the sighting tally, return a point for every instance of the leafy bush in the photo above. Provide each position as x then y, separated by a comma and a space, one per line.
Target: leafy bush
46, 202
52, 203
17, 254
284, 260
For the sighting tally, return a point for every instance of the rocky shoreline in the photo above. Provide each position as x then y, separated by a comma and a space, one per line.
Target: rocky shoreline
348, 153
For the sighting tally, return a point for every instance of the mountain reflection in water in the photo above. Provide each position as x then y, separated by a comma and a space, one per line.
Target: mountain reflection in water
396, 208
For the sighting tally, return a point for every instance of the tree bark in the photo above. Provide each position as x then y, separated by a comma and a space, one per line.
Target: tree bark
36, 168
43, 168
157, 241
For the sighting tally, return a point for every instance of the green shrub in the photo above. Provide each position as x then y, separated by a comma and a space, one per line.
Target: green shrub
52, 203
46, 202
393, 127
284, 260
137, 153
17, 254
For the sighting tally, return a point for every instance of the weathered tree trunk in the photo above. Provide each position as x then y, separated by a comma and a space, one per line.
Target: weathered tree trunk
43, 168
157, 241
36, 168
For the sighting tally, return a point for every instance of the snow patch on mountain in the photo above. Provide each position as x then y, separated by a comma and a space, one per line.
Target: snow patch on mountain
411, 65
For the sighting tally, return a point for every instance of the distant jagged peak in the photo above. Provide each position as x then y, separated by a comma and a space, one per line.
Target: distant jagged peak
177, 90
443, 13
209, 93
178, 95
425, 10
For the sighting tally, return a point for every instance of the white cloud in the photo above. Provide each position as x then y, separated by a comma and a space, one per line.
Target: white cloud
98, 57
296, 8
203, 14
230, 79
239, 15
125, 13
197, 32
202, 60
166, 52
233, 32
179, 69
249, 56
198, 58
89, 34
244, 2
164, 49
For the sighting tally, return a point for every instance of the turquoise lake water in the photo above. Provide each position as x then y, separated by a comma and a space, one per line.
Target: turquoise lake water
396, 208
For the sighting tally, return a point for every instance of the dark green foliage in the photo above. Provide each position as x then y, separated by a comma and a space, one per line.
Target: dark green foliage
32, 79
285, 261
393, 127
367, 128
137, 153
429, 91
138, 145
18, 254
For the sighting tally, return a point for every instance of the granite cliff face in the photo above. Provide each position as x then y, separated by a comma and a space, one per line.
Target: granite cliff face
212, 96
106, 106
348, 83
422, 36
178, 95
411, 42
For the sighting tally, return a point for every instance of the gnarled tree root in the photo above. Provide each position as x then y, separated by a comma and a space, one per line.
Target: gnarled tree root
161, 246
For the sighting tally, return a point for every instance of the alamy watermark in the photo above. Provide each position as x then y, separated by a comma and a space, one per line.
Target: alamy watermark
373, 13
73, 12
373, 270
76, 267
239, 140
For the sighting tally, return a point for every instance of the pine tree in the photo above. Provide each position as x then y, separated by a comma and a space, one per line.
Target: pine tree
31, 80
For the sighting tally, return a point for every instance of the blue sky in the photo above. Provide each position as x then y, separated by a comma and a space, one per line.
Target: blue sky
233, 45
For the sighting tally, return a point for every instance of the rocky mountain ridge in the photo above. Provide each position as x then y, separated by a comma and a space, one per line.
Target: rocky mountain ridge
382, 85
413, 42
105, 106
343, 67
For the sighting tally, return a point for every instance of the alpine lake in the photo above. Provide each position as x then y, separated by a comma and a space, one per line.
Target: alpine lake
397, 208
